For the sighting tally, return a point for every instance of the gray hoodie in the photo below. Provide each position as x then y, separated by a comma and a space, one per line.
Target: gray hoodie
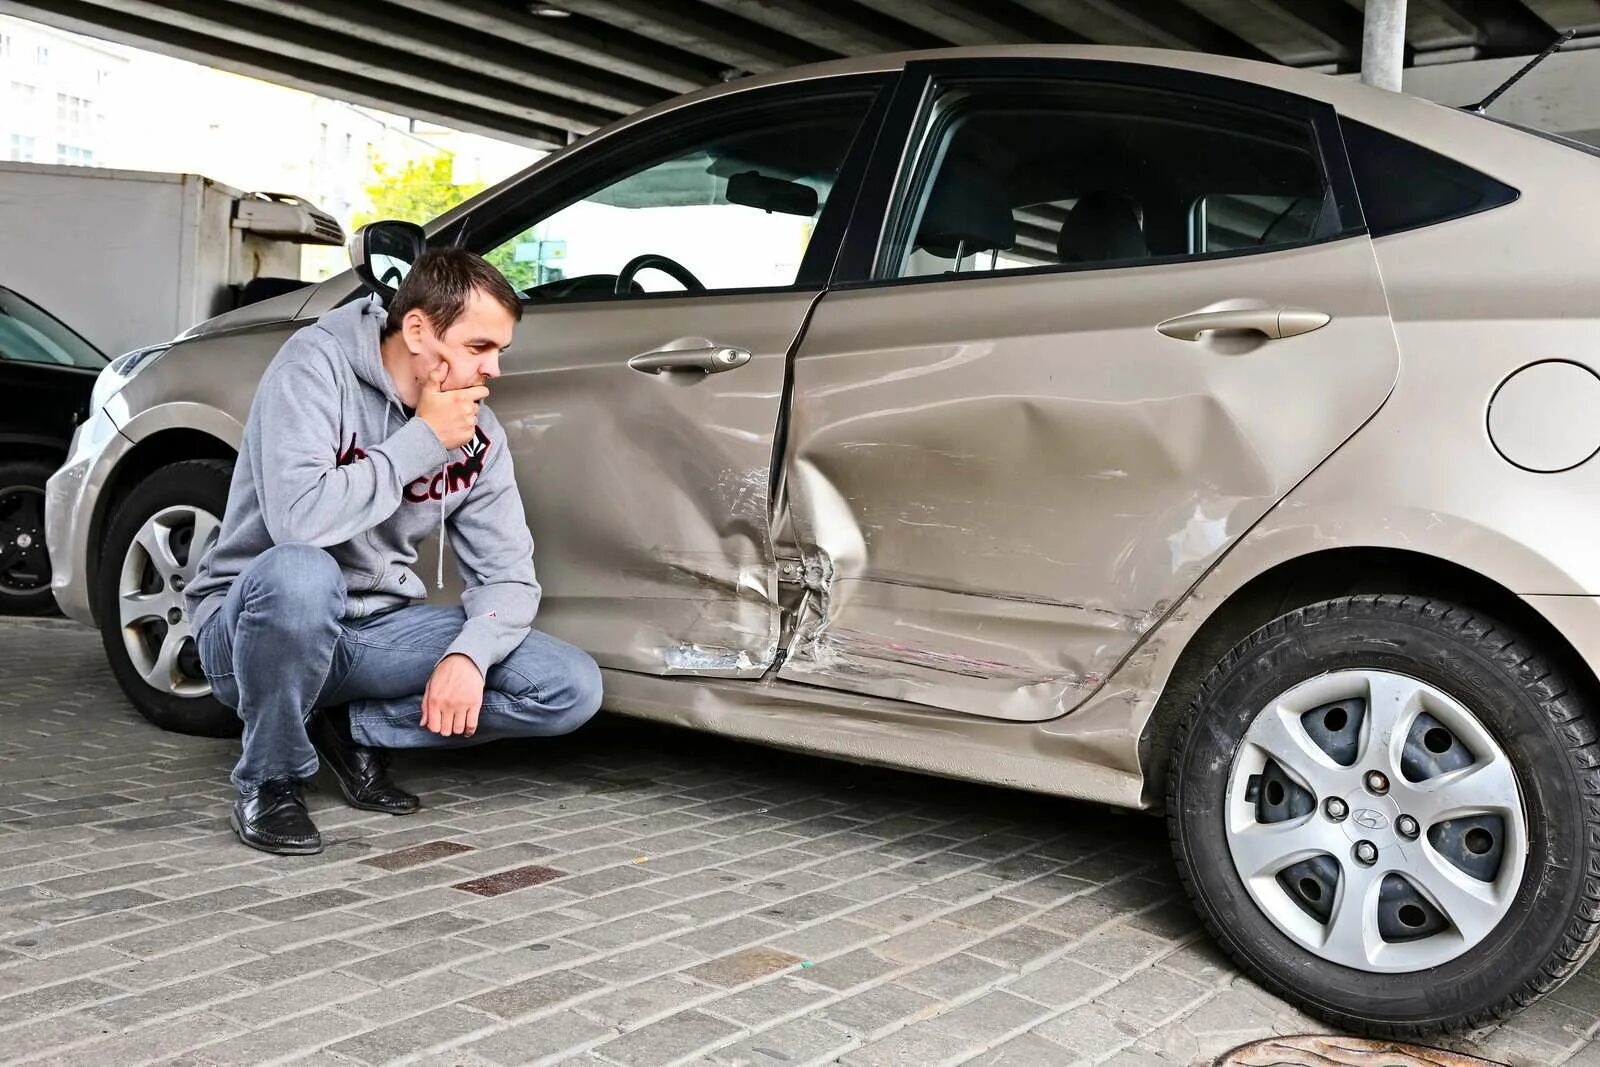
331, 459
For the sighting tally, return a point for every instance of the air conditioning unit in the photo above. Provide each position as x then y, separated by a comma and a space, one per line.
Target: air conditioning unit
286, 218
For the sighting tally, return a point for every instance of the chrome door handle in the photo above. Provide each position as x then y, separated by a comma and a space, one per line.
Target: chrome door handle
712, 359
1275, 323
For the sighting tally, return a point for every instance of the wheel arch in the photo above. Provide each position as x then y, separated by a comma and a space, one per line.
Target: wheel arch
146, 457
1321, 575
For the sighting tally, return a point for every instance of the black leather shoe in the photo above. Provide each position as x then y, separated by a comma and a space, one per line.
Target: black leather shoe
362, 772
274, 819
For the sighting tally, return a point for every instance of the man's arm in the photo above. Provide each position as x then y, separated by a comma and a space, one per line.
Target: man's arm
306, 497
494, 550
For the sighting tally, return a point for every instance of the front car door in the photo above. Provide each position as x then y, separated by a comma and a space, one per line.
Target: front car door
1113, 315
667, 278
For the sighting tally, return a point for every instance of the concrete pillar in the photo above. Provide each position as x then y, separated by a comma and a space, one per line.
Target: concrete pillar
1383, 43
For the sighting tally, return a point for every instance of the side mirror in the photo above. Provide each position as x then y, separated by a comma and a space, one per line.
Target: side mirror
382, 254
754, 189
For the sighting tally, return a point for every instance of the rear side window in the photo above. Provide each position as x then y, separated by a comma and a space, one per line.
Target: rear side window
1403, 185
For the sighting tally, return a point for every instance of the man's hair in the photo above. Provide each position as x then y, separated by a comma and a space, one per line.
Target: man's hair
441, 282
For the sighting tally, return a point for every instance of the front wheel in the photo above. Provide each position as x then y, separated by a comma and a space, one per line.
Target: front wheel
152, 550
1379, 806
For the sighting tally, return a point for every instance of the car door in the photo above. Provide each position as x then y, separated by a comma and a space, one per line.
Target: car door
1109, 316
641, 413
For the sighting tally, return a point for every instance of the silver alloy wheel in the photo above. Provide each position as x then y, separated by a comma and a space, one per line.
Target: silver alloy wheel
160, 561
1356, 830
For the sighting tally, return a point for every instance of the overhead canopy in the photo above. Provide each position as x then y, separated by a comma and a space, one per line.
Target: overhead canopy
545, 73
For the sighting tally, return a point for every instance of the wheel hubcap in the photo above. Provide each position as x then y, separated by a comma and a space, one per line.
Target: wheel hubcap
159, 563
1375, 821
24, 566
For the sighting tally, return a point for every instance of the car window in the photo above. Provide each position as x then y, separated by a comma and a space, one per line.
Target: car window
1403, 186
29, 335
733, 209
1020, 174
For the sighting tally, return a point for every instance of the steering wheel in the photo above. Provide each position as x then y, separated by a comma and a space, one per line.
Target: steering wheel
671, 267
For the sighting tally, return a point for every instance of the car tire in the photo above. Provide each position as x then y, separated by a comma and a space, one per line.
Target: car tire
1534, 728
175, 498
24, 566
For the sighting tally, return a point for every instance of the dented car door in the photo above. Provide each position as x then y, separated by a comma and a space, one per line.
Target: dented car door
1107, 326
670, 278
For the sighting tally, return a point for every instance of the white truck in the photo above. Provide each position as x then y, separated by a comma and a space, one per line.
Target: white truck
131, 258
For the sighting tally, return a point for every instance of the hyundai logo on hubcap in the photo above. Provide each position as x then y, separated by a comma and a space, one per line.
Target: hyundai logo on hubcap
1371, 820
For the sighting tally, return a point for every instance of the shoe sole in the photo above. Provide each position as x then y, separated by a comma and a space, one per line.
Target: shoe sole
276, 850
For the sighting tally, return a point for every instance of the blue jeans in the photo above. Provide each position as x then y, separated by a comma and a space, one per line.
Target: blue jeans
278, 648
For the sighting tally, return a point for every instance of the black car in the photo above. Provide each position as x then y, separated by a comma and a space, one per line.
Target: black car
46, 375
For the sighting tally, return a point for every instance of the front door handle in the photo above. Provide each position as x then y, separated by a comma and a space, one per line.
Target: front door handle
1275, 323
712, 359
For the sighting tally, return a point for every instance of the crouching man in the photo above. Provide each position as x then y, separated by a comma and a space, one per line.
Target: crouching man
368, 432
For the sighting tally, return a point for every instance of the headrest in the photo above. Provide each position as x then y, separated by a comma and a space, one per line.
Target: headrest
966, 208
1101, 227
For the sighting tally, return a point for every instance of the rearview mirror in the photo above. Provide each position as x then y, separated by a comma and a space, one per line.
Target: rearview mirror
753, 189
383, 252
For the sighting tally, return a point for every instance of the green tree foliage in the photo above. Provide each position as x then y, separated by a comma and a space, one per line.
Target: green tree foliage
420, 191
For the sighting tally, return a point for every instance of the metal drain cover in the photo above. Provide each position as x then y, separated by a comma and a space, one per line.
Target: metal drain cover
1322, 1050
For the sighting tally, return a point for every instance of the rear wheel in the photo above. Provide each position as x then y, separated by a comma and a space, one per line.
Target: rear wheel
24, 565
151, 552
1379, 805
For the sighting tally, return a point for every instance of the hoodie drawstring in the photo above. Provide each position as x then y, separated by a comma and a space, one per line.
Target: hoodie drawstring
444, 491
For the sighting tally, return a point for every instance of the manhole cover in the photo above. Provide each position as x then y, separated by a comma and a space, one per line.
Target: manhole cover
1321, 1050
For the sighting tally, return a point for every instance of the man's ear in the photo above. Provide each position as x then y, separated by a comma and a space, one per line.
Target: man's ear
416, 329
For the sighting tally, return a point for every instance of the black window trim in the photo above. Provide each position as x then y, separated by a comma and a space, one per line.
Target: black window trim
491, 224
1514, 194
901, 139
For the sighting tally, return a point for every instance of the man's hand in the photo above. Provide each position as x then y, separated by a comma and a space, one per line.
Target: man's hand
452, 414
454, 696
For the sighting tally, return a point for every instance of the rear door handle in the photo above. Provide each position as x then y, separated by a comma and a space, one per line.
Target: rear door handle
1275, 323
711, 359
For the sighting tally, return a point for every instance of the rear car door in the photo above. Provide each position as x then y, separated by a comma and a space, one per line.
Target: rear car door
1112, 314
668, 272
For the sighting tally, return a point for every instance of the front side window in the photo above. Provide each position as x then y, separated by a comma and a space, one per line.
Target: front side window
29, 335
1018, 174
730, 209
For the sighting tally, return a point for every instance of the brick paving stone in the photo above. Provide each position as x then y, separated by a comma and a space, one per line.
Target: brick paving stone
310, 904
826, 938
534, 994
302, 1035
402, 963
915, 1046
672, 1039
768, 1001
879, 1009
513, 965
416, 855
743, 967
1061, 983
955, 976
138, 1008
1092, 1030
413, 1035
927, 942
414, 996
1028, 1050
261, 1007
546, 1036
21, 1007
1154, 995
851, 970
632, 1005
989, 1018
798, 1041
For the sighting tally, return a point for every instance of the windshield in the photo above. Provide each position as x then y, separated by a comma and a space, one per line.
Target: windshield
29, 334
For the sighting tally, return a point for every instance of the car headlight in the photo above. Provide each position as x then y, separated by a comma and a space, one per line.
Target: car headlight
120, 371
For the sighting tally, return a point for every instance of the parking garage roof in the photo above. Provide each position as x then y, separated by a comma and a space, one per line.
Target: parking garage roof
544, 73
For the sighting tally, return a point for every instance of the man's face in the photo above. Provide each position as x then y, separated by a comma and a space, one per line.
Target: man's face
471, 347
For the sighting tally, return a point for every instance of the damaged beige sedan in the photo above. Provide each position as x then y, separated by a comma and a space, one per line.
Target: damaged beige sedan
1150, 428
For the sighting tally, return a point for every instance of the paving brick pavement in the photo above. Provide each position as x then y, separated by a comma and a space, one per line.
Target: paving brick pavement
629, 896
